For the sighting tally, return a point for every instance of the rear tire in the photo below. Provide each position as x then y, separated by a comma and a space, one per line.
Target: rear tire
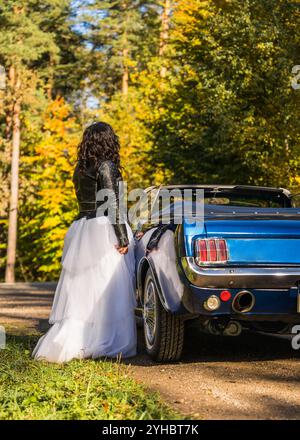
163, 331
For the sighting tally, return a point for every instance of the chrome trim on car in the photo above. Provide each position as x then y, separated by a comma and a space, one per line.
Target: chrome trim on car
240, 277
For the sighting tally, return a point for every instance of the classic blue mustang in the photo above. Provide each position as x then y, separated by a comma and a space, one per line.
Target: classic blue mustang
237, 269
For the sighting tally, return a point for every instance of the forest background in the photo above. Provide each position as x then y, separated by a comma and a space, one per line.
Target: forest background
198, 92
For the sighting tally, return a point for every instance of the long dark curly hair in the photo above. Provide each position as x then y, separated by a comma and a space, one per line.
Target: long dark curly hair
99, 143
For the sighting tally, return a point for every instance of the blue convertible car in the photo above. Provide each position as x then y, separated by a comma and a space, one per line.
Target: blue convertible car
238, 268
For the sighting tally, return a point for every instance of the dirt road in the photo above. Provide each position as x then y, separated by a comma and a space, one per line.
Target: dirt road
250, 377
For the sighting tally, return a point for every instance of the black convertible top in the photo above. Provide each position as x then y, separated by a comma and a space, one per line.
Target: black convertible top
280, 196
216, 188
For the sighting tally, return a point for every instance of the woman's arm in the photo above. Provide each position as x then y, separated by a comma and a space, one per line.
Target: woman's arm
108, 175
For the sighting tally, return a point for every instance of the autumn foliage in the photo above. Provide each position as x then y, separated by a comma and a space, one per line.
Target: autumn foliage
199, 91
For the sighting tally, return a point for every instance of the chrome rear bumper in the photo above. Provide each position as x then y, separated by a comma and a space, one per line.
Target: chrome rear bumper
240, 277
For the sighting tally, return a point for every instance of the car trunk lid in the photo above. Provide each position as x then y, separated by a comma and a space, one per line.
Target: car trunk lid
254, 236
258, 242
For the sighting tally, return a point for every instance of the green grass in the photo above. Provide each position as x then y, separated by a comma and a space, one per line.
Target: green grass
87, 389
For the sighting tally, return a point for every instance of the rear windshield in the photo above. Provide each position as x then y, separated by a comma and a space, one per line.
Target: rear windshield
264, 200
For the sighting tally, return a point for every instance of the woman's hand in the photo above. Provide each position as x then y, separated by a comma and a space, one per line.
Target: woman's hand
122, 249
139, 235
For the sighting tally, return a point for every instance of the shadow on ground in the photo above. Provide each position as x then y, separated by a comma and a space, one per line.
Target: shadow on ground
249, 347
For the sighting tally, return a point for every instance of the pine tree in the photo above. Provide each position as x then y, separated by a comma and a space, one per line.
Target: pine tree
118, 33
63, 72
124, 38
228, 112
23, 44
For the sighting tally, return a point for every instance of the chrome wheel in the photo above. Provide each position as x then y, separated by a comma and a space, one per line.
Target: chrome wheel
150, 313
163, 331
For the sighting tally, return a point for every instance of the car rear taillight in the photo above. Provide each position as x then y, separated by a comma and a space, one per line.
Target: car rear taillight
211, 250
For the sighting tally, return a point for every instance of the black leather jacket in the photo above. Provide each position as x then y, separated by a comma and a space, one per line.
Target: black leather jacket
88, 183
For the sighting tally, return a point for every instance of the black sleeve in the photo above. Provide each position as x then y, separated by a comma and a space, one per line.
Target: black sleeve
109, 176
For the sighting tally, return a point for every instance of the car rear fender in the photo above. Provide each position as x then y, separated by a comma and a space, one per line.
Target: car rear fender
144, 265
163, 264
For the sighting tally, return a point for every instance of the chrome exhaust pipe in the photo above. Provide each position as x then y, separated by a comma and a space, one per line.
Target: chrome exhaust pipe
221, 328
243, 302
233, 328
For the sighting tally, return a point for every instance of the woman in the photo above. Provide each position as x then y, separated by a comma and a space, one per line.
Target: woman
93, 308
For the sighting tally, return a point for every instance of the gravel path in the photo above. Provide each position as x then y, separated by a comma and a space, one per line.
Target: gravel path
250, 377
26, 306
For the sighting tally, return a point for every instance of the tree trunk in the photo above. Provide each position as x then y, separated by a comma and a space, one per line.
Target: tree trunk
125, 52
164, 34
14, 187
9, 104
50, 81
125, 76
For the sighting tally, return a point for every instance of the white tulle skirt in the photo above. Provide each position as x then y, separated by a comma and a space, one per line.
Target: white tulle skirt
93, 310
